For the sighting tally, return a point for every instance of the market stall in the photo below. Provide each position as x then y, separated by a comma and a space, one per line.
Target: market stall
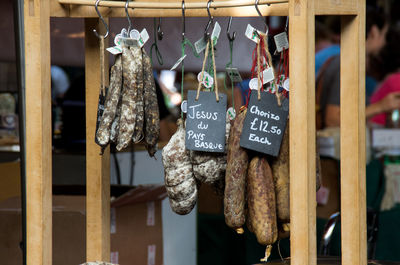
301, 15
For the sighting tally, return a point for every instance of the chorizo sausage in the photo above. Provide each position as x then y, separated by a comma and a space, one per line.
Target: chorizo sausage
261, 201
235, 177
280, 172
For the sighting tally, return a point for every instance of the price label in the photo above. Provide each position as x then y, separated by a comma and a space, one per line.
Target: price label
178, 62
114, 50
281, 41
251, 33
117, 39
268, 75
134, 34
129, 41
144, 37
200, 45
118, 42
231, 113
281, 79
286, 84
206, 122
234, 74
207, 81
254, 84
264, 124
215, 33
184, 106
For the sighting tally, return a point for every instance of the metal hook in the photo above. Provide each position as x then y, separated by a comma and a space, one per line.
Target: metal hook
183, 20
160, 33
102, 20
127, 16
259, 13
230, 38
155, 45
210, 20
287, 23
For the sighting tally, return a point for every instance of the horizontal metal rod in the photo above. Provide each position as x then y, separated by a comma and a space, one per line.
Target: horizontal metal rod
173, 5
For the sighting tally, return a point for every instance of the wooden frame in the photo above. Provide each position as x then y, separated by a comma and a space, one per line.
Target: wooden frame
302, 124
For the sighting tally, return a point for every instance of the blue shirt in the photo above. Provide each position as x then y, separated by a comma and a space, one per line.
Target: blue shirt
325, 54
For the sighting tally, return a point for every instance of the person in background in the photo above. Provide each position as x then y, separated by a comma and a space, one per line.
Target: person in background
59, 82
390, 87
326, 41
328, 80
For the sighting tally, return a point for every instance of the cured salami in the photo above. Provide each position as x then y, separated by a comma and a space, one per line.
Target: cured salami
132, 62
111, 103
179, 179
151, 110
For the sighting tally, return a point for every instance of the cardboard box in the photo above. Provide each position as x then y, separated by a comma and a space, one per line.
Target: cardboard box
10, 180
69, 230
136, 228
330, 173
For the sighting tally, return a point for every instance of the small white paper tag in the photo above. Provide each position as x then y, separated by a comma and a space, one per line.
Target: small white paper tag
215, 33
200, 45
251, 33
207, 81
281, 41
231, 113
268, 75
184, 106
134, 34
129, 41
322, 195
234, 74
144, 37
151, 254
124, 33
134, 39
117, 39
281, 79
286, 84
271, 87
114, 50
254, 84
178, 63
114, 257
151, 214
113, 221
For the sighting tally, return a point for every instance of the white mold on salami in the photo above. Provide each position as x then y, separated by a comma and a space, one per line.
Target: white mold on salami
179, 179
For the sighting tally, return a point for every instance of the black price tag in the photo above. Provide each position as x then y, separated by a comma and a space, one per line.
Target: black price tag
206, 122
264, 124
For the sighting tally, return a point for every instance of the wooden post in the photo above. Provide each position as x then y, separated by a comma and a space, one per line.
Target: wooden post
302, 133
352, 141
38, 132
97, 166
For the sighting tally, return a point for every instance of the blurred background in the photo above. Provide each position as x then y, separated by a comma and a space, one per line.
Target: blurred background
203, 236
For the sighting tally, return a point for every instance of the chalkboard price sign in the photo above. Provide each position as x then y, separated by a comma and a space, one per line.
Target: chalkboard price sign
206, 122
264, 124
